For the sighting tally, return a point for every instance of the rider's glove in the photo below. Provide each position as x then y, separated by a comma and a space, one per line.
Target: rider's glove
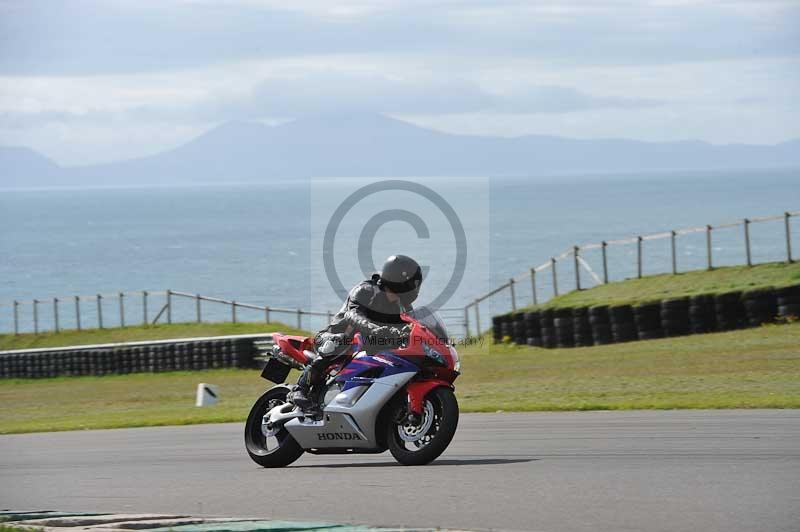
397, 332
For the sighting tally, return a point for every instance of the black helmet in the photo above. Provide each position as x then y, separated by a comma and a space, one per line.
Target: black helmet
403, 276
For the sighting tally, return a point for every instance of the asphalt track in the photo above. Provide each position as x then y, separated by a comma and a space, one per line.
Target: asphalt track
602, 471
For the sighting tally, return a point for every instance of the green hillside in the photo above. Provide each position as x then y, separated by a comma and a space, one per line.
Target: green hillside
657, 287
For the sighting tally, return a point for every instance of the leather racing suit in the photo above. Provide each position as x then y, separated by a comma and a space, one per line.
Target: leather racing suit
368, 311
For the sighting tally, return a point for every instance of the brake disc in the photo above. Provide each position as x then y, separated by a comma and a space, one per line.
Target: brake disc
414, 433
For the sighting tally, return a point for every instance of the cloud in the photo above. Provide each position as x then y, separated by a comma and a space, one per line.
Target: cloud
88, 71
337, 92
328, 92
91, 36
550, 99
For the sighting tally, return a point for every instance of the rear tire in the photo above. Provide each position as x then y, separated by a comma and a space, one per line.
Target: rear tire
438, 436
278, 451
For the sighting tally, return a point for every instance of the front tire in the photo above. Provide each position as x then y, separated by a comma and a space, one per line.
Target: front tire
430, 439
275, 451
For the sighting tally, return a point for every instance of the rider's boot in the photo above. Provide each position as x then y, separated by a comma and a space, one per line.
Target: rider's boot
310, 387
300, 395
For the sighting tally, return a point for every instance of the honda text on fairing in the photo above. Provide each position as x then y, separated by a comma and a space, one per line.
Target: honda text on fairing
397, 397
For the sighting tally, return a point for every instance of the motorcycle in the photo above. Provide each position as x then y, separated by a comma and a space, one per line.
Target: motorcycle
397, 397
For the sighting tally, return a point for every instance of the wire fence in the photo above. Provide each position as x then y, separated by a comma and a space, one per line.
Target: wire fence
144, 307
583, 266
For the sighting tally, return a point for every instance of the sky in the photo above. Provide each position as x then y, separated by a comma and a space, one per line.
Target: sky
85, 81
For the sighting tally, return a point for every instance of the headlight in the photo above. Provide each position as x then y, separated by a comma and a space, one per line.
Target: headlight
456, 360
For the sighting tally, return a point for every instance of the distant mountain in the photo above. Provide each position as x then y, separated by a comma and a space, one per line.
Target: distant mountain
375, 145
19, 167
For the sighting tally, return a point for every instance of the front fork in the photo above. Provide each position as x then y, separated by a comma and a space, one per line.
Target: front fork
417, 391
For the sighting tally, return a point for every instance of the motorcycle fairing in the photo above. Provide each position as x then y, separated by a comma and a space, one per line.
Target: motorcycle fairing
417, 391
296, 347
363, 369
355, 374
347, 425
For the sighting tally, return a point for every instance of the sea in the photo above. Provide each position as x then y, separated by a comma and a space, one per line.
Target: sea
302, 243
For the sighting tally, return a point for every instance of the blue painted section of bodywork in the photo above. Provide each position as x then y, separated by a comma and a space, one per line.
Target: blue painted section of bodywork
353, 374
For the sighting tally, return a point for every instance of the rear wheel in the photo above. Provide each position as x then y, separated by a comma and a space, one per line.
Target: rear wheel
269, 449
423, 443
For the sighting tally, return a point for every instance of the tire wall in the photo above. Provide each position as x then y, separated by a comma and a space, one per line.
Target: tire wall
648, 321
788, 302
152, 358
600, 325
623, 325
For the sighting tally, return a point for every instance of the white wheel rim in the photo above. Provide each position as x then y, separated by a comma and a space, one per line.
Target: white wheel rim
414, 433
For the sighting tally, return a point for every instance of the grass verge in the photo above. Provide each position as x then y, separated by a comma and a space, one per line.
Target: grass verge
657, 287
137, 333
752, 368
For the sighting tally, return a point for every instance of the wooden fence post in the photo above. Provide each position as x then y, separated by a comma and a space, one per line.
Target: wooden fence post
747, 241
78, 312
639, 257
674, 258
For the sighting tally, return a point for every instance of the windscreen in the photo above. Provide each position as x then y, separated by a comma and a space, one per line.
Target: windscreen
431, 320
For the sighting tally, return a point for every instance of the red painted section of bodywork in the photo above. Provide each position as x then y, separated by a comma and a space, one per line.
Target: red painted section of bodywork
417, 391
421, 336
285, 342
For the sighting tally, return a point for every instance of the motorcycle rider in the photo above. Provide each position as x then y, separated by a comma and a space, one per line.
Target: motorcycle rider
373, 309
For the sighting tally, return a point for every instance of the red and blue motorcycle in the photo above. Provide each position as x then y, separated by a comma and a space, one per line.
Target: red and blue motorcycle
398, 398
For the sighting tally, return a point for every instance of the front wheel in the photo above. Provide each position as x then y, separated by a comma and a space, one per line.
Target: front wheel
272, 450
423, 443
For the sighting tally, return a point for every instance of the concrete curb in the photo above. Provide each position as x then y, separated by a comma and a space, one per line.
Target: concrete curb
52, 521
